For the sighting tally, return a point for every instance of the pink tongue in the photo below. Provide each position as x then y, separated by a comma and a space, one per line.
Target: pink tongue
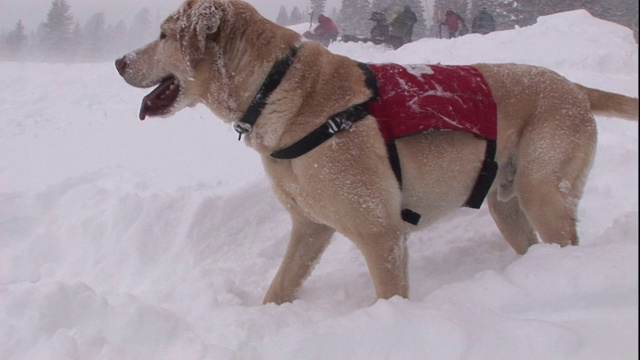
143, 112
157, 99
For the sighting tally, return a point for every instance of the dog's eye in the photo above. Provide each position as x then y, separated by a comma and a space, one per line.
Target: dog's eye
163, 36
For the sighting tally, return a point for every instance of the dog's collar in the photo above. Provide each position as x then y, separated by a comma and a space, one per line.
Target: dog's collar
245, 125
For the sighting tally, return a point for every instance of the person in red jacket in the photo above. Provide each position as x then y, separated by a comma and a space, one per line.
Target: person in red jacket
325, 32
454, 22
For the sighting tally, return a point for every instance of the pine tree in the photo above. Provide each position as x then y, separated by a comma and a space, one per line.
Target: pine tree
94, 38
141, 31
317, 7
624, 12
353, 18
361, 20
56, 30
420, 28
15, 40
116, 38
381, 5
283, 18
511, 13
296, 16
334, 13
75, 40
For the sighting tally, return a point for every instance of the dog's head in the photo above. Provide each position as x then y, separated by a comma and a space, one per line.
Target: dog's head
201, 56
169, 61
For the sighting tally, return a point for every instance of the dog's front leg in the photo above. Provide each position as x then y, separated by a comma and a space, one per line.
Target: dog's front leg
308, 241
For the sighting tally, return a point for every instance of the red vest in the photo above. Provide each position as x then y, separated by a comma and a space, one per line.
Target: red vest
419, 98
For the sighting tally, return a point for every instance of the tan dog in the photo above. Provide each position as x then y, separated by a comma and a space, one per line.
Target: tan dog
219, 53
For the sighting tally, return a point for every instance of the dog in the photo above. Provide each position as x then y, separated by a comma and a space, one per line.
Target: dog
277, 89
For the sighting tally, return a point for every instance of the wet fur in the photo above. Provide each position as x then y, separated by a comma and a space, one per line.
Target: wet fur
221, 51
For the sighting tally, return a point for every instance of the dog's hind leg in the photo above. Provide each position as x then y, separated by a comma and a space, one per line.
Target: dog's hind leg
552, 212
385, 252
552, 169
512, 222
307, 242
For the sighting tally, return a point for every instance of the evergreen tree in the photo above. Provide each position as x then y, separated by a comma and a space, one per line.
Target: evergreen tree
624, 12
511, 13
297, 17
334, 13
141, 31
317, 8
94, 37
353, 18
381, 5
420, 28
75, 41
3, 42
282, 18
15, 41
116, 38
56, 30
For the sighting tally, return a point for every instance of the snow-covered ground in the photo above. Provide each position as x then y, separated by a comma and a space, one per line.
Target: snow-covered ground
122, 239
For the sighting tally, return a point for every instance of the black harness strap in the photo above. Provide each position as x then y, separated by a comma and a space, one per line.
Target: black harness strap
394, 159
407, 215
487, 174
336, 123
485, 177
273, 79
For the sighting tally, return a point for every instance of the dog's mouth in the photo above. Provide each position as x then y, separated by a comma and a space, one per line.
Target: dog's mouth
159, 101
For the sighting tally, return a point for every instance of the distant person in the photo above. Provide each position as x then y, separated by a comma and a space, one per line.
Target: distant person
380, 30
483, 23
379, 33
454, 23
401, 27
325, 32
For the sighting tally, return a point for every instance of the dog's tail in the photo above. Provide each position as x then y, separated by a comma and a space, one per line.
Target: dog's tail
611, 104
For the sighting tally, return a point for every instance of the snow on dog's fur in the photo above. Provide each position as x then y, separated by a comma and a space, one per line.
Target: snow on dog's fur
219, 52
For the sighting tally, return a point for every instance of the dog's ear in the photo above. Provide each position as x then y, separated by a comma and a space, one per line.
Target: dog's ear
198, 19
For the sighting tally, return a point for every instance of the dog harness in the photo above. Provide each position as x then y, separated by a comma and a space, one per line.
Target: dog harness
412, 99
406, 100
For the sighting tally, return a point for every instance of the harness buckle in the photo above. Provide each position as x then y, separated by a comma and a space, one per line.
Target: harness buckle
337, 124
242, 128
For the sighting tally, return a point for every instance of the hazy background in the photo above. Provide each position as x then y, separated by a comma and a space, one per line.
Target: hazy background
32, 12
123, 239
100, 29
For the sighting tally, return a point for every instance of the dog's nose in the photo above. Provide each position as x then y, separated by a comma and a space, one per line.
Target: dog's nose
121, 66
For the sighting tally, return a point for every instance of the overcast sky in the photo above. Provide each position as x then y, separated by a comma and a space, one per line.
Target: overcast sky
33, 12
